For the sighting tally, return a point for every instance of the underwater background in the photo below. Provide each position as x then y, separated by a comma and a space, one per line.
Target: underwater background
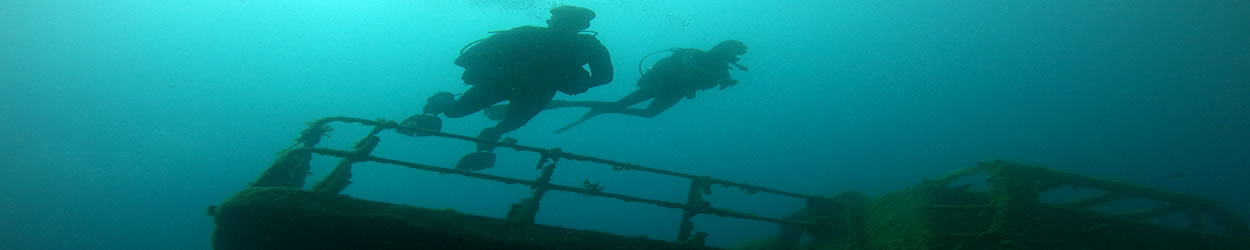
124, 119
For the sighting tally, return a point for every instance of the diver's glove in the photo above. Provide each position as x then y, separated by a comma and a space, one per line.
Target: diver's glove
581, 87
728, 83
439, 102
576, 90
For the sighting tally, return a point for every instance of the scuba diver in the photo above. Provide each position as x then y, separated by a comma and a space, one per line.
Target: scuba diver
526, 66
677, 76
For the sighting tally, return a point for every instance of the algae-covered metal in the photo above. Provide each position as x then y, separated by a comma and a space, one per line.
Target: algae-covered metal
1010, 214
276, 212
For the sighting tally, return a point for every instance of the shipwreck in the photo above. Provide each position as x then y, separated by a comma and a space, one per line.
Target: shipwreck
992, 205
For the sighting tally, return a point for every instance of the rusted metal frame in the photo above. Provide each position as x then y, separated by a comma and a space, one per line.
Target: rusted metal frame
556, 154
289, 170
526, 210
754, 188
1123, 188
1226, 219
340, 177
509, 180
694, 203
627, 166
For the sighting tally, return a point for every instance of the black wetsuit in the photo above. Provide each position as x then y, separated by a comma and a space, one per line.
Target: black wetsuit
678, 76
527, 66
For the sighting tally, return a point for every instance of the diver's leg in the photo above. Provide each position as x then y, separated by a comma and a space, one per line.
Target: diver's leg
476, 99
556, 104
499, 112
634, 98
598, 108
525, 104
624, 103
657, 106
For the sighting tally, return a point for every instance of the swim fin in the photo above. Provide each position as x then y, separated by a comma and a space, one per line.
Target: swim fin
496, 113
571, 125
476, 161
489, 134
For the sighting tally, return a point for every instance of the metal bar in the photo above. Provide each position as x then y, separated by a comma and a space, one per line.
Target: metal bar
627, 166
713, 211
761, 189
340, 177
694, 199
526, 210
290, 170
555, 154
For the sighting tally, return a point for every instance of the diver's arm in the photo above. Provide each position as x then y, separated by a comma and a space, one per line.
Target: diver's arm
728, 83
720, 77
600, 67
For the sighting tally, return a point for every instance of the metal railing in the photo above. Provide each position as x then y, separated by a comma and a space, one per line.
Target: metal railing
293, 166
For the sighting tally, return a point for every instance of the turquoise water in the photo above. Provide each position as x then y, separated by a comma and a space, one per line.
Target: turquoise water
124, 119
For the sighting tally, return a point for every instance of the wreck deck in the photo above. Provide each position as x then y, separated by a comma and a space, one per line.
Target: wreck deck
283, 218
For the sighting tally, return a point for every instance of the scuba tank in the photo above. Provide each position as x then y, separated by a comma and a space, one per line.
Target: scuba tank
644, 59
475, 42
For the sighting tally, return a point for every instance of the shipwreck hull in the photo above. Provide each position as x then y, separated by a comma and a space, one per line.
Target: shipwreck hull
282, 218
278, 211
